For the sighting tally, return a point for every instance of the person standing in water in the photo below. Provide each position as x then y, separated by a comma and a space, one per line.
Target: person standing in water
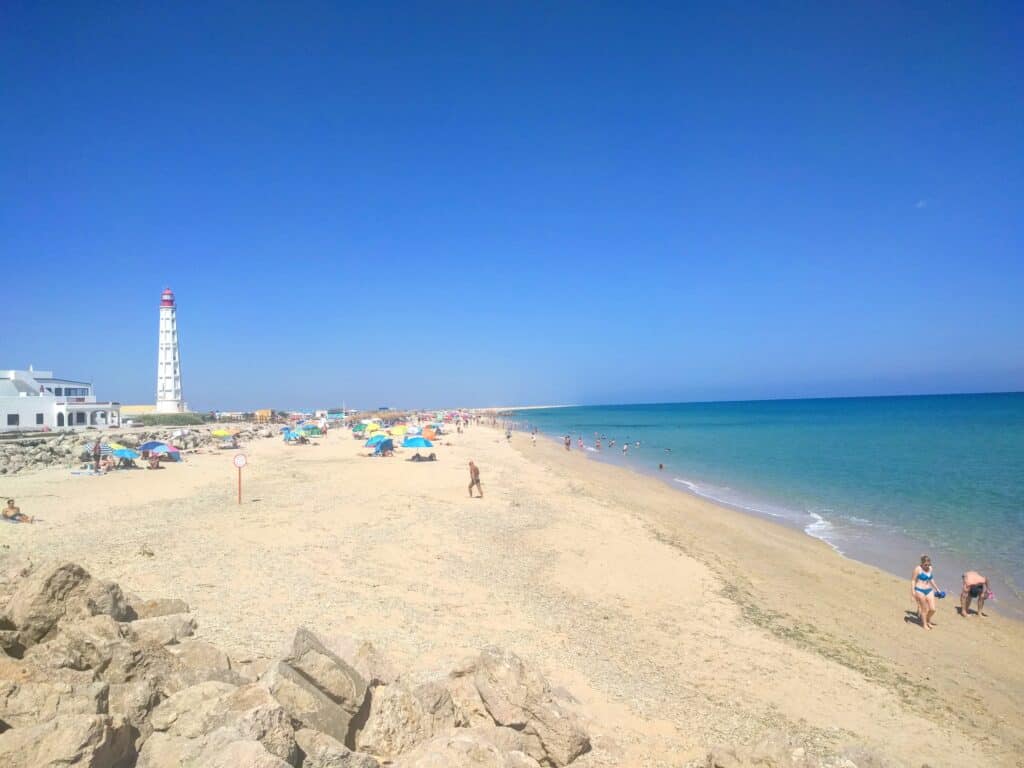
923, 589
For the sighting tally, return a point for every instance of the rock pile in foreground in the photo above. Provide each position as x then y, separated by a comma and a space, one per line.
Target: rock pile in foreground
90, 676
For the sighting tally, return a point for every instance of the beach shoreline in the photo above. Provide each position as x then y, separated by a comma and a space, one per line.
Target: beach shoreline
874, 537
675, 623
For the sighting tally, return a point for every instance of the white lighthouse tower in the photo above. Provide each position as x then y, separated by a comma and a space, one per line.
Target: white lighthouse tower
168, 366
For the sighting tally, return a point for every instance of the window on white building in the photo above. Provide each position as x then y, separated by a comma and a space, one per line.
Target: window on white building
39, 418
12, 420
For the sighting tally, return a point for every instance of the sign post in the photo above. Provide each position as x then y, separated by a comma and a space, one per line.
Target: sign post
239, 462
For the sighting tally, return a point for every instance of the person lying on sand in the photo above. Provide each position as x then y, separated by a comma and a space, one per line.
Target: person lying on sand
11, 512
975, 586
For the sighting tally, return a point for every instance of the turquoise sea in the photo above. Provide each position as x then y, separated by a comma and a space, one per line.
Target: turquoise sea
881, 479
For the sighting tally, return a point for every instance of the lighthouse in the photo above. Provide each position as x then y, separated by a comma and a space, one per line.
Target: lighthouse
168, 366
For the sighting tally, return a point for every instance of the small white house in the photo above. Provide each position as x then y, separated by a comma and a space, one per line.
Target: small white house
36, 400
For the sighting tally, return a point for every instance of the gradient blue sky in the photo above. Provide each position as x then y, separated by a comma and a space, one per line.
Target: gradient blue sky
481, 203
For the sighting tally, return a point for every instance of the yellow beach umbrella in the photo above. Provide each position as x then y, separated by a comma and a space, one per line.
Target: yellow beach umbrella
116, 446
399, 429
222, 433
372, 427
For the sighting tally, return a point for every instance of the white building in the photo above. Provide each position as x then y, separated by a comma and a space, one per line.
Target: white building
36, 400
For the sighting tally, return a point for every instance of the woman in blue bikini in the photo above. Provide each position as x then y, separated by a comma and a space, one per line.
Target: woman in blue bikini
923, 589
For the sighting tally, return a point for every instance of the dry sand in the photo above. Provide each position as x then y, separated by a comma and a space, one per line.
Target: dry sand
674, 622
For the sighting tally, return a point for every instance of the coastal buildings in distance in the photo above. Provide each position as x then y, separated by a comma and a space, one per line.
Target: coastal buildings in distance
32, 400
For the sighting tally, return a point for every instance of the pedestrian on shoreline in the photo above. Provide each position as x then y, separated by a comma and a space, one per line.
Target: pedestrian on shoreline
474, 479
924, 590
975, 587
568, 443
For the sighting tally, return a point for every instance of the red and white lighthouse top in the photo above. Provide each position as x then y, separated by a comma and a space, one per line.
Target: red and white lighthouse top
167, 298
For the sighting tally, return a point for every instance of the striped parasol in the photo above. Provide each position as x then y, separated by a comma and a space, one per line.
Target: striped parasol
105, 449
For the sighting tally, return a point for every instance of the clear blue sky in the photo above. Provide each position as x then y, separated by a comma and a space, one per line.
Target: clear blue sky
482, 203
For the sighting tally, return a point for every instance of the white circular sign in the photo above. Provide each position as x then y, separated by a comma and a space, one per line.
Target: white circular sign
240, 460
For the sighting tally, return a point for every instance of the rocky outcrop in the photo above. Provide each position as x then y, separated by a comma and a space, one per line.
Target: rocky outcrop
32, 452
90, 677
518, 697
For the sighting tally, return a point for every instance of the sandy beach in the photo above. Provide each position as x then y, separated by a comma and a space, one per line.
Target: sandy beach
675, 624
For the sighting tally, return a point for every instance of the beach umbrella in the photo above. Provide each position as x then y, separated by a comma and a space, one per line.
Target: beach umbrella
374, 440
398, 429
372, 428
417, 442
117, 446
125, 453
413, 431
222, 433
105, 449
151, 445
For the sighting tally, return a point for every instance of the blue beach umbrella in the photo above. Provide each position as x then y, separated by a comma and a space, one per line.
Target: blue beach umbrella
374, 440
126, 453
152, 445
417, 442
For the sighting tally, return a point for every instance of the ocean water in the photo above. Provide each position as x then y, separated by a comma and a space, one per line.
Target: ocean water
881, 479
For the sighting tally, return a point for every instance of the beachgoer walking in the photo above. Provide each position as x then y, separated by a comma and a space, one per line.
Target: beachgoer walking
975, 587
597, 444
533, 439
579, 442
508, 435
96, 456
474, 479
923, 589
625, 448
11, 512
568, 443
661, 466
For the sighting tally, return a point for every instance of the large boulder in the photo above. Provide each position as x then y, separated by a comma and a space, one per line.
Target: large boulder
519, 697
29, 703
401, 717
221, 749
328, 671
249, 712
364, 657
135, 701
317, 688
85, 741
164, 606
162, 630
322, 751
52, 592
468, 748
201, 655
86, 644
307, 705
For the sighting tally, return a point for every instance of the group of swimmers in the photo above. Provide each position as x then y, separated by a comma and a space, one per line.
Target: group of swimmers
925, 591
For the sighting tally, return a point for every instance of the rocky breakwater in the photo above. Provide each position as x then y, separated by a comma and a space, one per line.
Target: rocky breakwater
29, 453
91, 676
